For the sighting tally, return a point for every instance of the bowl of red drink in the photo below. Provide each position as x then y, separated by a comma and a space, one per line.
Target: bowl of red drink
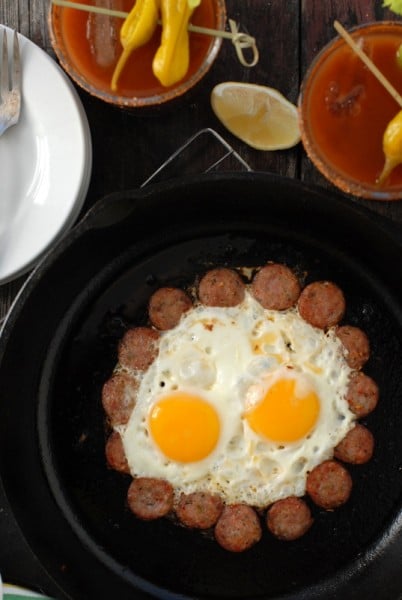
88, 46
344, 110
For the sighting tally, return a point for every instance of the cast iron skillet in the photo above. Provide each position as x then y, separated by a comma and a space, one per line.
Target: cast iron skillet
59, 346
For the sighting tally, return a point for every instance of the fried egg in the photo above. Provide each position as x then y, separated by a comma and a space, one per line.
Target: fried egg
241, 401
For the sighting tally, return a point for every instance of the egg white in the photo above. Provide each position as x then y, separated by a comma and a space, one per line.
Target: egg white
228, 356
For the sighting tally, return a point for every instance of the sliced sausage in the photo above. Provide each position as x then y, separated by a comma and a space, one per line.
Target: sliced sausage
115, 454
356, 447
166, 307
276, 287
329, 484
119, 394
221, 287
322, 304
362, 394
138, 348
200, 509
357, 345
238, 528
289, 518
150, 498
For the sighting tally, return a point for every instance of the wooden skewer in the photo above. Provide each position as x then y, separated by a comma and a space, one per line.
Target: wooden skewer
368, 62
89, 8
240, 40
123, 15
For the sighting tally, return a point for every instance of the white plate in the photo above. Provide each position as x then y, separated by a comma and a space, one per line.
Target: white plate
13, 591
45, 163
8, 591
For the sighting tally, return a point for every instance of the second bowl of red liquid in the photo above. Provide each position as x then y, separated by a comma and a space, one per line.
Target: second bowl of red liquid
344, 111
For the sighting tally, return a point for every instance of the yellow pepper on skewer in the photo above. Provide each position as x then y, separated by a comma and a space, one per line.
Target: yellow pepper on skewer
392, 147
137, 30
172, 58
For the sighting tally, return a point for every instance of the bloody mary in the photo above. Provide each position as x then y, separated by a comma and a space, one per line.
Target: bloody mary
88, 47
344, 111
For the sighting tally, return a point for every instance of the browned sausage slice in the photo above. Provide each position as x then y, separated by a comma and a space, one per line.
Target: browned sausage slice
238, 528
276, 287
357, 345
115, 454
362, 394
329, 484
322, 304
289, 518
356, 447
166, 307
150, 498
119, 394
200, 509
221, 287
138, 348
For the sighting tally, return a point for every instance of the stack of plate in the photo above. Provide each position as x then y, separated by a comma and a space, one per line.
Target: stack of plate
45, 164
10, 592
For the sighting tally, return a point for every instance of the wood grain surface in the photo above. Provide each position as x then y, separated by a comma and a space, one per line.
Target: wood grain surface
129, 146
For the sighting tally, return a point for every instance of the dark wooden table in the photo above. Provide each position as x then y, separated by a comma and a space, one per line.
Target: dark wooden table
129, 146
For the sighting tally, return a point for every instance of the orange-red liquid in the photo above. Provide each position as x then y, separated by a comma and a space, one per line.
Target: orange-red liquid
348, 109
137, 79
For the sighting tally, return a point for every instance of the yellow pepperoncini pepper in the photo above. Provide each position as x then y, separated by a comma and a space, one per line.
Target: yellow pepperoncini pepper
392, 147
172, 58
136, 31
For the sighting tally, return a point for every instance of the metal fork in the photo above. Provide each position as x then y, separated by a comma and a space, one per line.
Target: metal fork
10, 103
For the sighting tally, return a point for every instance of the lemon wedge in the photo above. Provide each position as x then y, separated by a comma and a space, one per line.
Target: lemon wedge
260, 116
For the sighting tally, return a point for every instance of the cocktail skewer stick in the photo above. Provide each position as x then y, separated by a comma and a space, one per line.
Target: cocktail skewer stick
392, 138
240, 40
368, 62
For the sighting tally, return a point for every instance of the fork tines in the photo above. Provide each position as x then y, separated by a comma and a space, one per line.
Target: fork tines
16, 64
10, 91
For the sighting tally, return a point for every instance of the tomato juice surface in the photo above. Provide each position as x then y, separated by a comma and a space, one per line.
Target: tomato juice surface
92, 43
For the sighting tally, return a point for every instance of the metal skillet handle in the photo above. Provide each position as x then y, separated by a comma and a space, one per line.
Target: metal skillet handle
204, 152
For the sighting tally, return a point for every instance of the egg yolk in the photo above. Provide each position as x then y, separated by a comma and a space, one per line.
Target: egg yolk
285, 414
185, 427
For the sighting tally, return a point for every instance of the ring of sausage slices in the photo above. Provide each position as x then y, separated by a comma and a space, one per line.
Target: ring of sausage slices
237, 527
